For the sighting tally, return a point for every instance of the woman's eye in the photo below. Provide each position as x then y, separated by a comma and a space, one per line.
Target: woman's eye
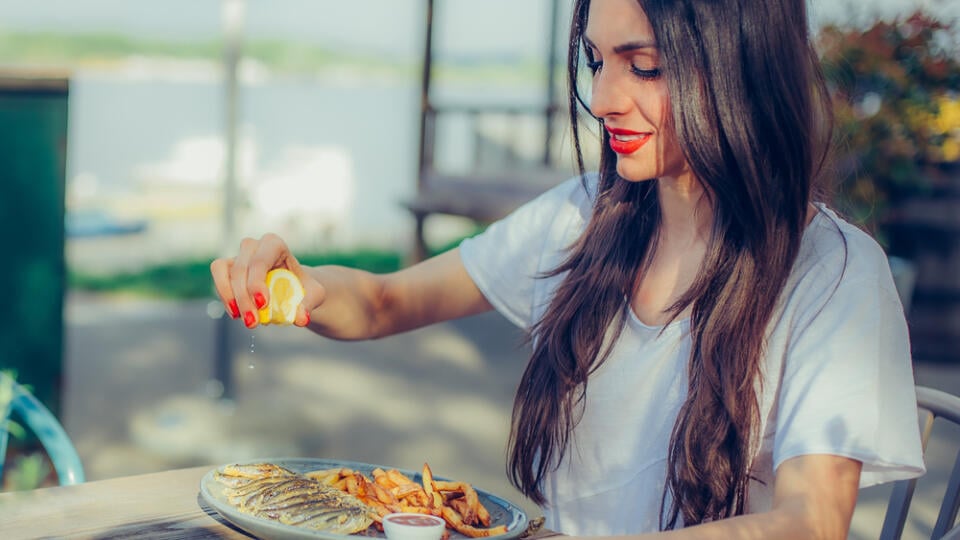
646, 74
594, 66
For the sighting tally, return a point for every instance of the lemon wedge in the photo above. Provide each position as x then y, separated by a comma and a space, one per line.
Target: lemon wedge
286, 293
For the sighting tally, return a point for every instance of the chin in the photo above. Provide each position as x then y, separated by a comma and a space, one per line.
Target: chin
634, 173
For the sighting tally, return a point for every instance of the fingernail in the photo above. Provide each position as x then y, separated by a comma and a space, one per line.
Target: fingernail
234, 309
308, 319
249, 319
260, 300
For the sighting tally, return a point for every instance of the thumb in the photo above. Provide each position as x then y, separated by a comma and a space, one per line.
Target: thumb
315, 294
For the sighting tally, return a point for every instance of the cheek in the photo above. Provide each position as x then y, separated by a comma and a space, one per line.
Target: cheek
659, 113
661, 108
653, 102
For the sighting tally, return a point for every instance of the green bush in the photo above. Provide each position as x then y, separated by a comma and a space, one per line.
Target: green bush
894, 89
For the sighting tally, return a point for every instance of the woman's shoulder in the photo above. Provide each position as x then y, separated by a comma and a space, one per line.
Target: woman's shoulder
837, 261
570, 199
579, 191
834, 246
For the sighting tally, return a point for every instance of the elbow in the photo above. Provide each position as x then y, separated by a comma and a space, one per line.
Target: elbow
815, 522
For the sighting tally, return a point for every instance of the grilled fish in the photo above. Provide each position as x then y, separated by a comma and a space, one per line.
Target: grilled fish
272, 492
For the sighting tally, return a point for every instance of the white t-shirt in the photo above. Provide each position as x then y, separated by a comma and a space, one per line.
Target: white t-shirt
837, 371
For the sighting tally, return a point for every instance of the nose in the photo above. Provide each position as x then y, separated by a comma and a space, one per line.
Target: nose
608, 96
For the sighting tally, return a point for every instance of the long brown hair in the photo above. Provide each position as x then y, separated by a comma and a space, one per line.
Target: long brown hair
752, 117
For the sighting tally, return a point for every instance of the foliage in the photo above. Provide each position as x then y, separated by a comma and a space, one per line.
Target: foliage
7, 380
27, 470
894, 88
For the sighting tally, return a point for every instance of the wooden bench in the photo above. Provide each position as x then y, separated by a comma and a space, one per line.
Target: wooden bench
487, 191
482, 198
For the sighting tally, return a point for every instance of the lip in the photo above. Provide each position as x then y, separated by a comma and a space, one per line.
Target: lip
629, 146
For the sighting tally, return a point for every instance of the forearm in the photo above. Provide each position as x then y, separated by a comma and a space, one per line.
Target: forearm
351, 306
814, 498
360, 305
784, 524
781, 524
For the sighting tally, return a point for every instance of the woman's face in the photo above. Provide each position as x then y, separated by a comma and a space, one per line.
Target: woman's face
629, 94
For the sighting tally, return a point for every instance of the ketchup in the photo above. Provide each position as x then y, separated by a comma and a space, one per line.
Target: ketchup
417, 521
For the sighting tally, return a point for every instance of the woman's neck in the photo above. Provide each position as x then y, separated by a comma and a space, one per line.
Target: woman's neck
676, 258
686, 214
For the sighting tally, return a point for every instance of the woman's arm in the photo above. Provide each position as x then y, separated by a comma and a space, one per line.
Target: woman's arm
361, 305
814, 497
345, 303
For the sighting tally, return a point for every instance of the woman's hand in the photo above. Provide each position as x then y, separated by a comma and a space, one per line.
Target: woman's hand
241, 281
346, 303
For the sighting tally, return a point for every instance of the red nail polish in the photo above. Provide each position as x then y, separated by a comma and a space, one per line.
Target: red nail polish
234, 309
260, 300
249, 319
308, 319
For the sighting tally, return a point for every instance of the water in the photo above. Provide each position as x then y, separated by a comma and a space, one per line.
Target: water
252, 365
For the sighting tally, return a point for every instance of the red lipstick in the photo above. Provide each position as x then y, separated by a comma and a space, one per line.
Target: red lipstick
624, 141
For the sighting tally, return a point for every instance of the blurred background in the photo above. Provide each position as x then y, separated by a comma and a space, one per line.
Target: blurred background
140, 140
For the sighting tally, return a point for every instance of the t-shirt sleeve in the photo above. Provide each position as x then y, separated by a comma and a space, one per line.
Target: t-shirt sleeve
505, 260
847, 386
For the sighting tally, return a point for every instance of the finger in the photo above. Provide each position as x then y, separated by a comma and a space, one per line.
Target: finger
269, 253
303, 316
220, 271
239, 281
315, 294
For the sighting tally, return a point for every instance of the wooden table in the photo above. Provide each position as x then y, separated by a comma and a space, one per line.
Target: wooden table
163, 505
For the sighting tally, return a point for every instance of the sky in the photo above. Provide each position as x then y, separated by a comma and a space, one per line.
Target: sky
388, 27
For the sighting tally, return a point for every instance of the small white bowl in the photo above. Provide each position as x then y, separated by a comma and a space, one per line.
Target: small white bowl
413, 526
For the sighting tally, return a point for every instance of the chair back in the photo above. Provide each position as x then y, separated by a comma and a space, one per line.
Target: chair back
932, 404
37, 418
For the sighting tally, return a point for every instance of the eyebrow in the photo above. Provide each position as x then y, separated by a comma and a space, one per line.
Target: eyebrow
625, 47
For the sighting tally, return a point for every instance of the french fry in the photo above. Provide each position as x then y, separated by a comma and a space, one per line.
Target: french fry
325, 476
387, 491
483, 514
362, 485
455, 520
470, 494
381, 479
414, 508
350, 485
383, 495
380, 508
462, 507
406, 491
435, 499
399, 478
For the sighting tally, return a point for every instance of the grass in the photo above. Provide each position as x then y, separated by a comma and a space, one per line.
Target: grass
190, 279
45, 48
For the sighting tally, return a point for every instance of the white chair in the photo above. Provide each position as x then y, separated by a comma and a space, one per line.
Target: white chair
932, 404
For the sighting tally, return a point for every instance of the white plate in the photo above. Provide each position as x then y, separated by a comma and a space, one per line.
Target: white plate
502, 512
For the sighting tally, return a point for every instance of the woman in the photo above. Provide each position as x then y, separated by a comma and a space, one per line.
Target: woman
713, 354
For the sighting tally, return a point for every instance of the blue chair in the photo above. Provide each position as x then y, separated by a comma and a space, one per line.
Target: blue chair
34, 416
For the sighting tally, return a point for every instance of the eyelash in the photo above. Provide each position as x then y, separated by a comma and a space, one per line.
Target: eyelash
644, 74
